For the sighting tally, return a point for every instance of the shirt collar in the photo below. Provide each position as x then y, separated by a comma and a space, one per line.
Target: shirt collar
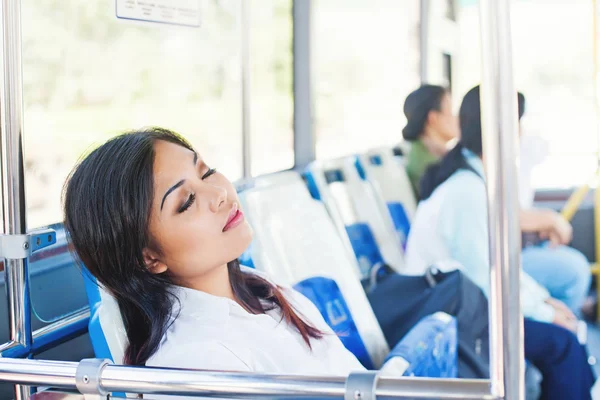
201, 305
421, 154
474, 161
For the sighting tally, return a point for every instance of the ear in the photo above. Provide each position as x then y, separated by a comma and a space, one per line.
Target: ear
153, 262
432, 117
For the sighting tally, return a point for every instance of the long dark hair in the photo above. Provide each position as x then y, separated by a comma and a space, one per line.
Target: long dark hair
417, 107
470, 131
107, 202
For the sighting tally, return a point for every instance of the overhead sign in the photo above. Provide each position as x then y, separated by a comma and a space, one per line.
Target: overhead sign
174, 12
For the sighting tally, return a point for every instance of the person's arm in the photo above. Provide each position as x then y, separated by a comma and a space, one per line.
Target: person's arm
537, 220
534, 300
548, 223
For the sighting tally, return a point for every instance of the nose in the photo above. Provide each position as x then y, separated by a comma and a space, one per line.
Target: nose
217, 196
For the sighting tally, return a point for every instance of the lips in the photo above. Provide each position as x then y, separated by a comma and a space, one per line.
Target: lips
235, 218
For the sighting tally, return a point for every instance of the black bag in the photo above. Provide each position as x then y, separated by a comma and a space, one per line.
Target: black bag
401, 301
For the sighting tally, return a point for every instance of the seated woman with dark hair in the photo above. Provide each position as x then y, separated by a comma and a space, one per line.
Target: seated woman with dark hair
451, 225
430, 126
162, 232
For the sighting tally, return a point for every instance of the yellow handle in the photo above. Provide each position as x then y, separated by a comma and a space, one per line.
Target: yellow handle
574, 202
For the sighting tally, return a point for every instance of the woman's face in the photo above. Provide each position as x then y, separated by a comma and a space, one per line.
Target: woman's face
444, 122
196, 224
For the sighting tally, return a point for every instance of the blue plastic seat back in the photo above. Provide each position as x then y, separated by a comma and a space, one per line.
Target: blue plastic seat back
365, 247
246, 257
327, 296
401, 221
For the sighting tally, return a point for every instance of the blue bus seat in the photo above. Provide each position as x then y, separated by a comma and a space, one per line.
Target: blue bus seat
390, 177
327, 296
297, 244
357, 208
365, 248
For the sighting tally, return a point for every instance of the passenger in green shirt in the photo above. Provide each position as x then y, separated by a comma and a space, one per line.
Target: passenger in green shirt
430, 126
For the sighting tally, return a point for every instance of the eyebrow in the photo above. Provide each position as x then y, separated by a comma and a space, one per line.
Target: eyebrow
177, 185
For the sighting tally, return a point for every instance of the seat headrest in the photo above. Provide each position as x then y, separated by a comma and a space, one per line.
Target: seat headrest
390, 177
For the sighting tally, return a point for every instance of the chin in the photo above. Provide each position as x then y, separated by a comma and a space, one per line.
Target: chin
242, 240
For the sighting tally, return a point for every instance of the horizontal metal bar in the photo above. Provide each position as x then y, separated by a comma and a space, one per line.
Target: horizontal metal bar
178, 382
59, 374
427, 388
116, 378
58, 332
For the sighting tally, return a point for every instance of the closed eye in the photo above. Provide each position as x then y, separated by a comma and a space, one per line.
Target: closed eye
188, 203
211, 171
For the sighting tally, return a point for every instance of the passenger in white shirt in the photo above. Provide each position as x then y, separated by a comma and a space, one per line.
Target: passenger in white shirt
162, 232
451, 226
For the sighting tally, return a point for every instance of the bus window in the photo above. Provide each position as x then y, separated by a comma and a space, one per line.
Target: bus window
448, 70
366, 57
88, 76
555, 78
271, 95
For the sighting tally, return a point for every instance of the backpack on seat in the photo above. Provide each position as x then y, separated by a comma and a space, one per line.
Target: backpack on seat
401, 301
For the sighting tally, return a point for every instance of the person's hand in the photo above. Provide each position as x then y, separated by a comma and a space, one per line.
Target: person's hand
563, 316
560, 232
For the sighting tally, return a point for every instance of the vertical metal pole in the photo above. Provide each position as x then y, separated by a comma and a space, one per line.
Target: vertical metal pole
424, 40
595, 269
13, 177
304, 137
245, 62
500, 152
596, 85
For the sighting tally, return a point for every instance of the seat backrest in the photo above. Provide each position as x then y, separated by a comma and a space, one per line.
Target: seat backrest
297, 244
106, 328
355, 206
392, 183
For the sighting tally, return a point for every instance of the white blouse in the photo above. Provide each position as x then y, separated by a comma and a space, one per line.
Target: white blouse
216, 333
